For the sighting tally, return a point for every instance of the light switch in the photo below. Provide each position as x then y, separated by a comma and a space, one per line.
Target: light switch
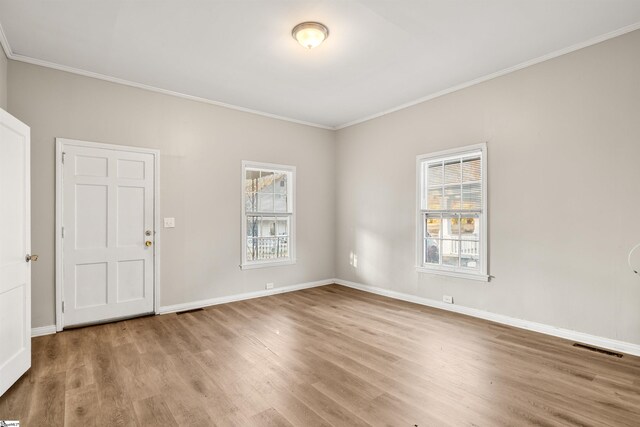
169, 222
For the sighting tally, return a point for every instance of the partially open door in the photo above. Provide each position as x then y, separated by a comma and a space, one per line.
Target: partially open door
15, 247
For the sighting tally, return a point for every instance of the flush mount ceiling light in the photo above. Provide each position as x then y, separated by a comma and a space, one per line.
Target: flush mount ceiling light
310, 34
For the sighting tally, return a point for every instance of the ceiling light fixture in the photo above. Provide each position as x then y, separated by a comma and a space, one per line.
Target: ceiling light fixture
310, 34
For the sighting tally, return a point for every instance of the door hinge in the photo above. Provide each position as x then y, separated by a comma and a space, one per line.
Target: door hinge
63, 306
63, 154
63, 232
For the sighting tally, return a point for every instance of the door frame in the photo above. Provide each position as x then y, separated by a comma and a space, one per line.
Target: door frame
59, 280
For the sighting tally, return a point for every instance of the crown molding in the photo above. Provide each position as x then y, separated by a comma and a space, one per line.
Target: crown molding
27, 59
124, 82
529, 63
590, 42
5, 43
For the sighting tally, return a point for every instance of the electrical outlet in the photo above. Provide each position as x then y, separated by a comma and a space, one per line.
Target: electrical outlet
447, 298
269, 286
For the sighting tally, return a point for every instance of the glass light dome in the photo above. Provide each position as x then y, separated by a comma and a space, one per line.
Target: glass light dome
310, 34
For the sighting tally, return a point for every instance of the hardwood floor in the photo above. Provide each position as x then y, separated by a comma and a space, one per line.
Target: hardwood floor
322, 356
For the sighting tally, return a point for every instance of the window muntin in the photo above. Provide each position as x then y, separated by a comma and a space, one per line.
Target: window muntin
268, 214
452, 214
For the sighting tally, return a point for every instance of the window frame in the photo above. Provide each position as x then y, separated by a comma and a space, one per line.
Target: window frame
460, 272
291, 193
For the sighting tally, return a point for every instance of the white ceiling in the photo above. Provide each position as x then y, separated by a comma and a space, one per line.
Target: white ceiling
380, 54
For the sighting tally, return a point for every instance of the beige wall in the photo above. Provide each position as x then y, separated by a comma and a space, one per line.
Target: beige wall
564, 191
202, 147
3, 79
563, 144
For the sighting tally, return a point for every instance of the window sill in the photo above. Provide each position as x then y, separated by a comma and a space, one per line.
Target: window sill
458, 274
265, 264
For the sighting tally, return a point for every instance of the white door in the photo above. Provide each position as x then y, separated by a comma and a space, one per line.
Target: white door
15, 246
108, 232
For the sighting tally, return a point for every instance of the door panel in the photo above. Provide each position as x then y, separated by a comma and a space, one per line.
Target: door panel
91, 216
91, 166
130, 215
131, 280
108, 206
130, 169
12, 338
91, 285
15, 244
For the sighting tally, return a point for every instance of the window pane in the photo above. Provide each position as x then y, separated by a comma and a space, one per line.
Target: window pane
434, 199
434, 175
265, 183
450, 250
470, 254
452, 172
451, 228
267, 227
250, 202
265, 202
280, 203
252, 226
471, 170
282, 248
470, 228
280, 183
265, 249
432, 227
252, 249
282, 227
452, 198
251, 181
472, 196
432, 251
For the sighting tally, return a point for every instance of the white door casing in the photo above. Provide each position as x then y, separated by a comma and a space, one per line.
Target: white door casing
107, 213
15, 245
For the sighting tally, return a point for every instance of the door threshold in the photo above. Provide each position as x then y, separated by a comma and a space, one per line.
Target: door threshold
107, 321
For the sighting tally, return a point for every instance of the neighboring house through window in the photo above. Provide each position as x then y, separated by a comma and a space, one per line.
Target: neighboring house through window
268, 214
452, 212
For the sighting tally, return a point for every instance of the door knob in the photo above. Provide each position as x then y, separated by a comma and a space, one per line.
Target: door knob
148, 243
31, 258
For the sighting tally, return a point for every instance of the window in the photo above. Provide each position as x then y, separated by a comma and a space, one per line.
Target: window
452, 212
268, 215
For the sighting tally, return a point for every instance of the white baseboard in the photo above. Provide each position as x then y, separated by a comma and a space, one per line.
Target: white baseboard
43, 330
615, 345
611, 344
239, 297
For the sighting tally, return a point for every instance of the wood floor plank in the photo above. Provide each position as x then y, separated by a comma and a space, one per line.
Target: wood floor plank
137, 378
80, 407
292, 408
332, 411
16, 402
319, 357
271, 418
153, 411
48, 402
